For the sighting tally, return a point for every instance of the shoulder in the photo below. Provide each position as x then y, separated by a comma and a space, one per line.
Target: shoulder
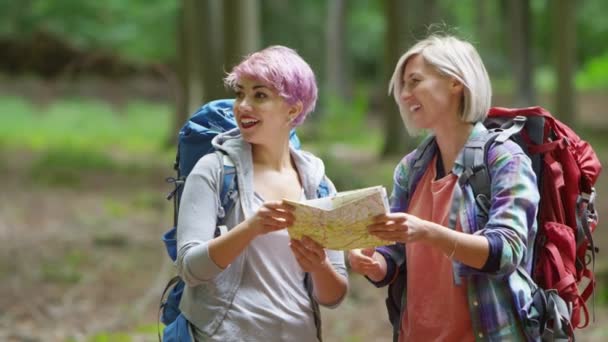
501, 153
308, 156
308, 163
312, 173
403, 168
207, 166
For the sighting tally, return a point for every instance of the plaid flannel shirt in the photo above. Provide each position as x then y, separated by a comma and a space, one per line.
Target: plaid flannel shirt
498, 299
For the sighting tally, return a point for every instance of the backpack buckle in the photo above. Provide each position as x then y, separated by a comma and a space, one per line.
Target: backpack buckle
589, 197
520, 119
178, 182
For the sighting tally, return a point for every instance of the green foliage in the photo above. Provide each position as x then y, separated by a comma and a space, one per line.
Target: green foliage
110, 239
141, 333
366, 22
115, 208
66, 269
145, 31
75, 137
138, 30
295, 24
544, 78
594, 73
348, 175
111, 337
592, 29
84, 125
148, 200
151, 329
65, 166
344, 121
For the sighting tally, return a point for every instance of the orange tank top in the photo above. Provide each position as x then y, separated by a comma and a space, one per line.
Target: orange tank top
437, 310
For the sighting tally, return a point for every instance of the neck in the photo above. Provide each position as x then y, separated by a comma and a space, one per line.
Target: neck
275, 156
450, 140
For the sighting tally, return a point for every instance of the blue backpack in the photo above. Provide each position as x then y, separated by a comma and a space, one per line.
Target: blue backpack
194, 141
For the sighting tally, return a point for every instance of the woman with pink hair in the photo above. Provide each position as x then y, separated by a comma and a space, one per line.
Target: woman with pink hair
253, 283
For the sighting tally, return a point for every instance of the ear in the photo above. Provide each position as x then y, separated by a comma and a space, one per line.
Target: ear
295, 110
456, 86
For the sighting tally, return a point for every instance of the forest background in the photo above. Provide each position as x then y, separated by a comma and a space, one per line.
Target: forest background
92, 94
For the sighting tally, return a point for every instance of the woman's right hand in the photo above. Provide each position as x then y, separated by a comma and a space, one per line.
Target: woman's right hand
367, 262
271, 216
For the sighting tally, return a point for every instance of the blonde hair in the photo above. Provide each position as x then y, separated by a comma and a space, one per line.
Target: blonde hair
454, 58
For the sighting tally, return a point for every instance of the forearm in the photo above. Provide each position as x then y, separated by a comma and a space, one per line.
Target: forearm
329, 287
471, 250
227, 247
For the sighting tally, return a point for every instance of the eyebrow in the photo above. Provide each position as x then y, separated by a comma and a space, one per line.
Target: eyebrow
412, 74
254, 87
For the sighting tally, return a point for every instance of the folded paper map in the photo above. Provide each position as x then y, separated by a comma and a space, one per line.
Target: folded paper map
340, 222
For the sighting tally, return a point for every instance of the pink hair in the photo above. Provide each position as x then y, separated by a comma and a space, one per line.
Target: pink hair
283, 70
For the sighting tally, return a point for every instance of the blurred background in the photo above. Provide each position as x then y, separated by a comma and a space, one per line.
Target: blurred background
92, 94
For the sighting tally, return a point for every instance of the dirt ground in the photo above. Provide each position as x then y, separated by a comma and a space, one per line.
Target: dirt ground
83, 260
87, 259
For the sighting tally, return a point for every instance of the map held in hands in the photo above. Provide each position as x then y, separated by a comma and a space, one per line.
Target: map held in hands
340, 222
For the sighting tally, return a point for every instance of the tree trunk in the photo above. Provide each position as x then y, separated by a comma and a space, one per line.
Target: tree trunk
396, 40
564, 42
482, 25
184, 67
193, 73
212, 52
521, 60
431, 15
241, 30
336, 68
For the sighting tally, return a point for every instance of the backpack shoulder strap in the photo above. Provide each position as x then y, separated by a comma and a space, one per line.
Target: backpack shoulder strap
228, 192
323, 189
423, 155
475, 160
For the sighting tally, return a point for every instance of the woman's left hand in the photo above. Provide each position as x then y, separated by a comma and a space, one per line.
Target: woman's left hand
399, 227
309, 254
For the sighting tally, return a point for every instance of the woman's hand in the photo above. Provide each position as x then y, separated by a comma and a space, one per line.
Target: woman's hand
271, 216
399, 227
368, 263
310, 255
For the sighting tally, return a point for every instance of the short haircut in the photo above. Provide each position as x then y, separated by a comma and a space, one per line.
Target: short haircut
283, 70
455, 58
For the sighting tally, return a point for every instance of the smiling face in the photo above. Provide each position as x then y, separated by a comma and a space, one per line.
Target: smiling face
429, 98
262, 115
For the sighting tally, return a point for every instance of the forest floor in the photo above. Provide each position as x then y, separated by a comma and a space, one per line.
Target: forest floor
82, 260
86, 261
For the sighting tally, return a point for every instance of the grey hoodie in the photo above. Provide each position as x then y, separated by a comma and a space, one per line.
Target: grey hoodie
211, 290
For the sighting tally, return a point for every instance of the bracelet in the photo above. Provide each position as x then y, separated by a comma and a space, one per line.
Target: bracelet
454, 249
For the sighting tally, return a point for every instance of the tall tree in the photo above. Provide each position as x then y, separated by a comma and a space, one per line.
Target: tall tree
406, 21
521, 60
564, 43
241, 30
336, 49
481, 22
396, 41
199, 66
188, 69
212, 54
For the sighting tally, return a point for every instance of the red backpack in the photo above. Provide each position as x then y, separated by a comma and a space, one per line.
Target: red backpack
567, 169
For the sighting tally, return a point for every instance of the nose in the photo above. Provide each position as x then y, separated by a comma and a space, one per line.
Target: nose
242, 105
405, 94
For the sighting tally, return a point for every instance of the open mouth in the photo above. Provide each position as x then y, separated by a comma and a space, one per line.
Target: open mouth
248, 122
414, 108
